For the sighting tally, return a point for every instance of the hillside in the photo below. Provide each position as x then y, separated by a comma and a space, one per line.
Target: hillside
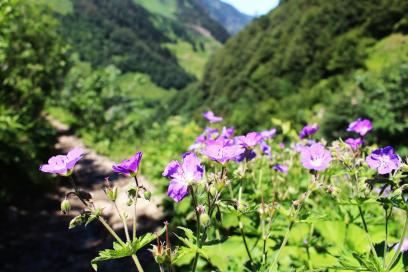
142, 36
227, 15
289, 63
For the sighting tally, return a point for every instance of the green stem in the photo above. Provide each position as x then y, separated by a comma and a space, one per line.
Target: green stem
137, 263
285, 240
397, 252
125, 227
241, 228
286, 237
372, 249
135, 210
106, 225
387, 216
198, 244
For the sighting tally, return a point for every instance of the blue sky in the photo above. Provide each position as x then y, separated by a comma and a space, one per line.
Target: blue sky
253, 7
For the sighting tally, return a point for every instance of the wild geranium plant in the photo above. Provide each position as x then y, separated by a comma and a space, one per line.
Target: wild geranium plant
274, 200
64, 166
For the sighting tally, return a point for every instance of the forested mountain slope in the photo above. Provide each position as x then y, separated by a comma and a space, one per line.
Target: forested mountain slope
290, 63
141, 36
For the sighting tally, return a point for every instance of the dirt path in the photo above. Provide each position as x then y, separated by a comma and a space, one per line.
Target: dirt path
38, 239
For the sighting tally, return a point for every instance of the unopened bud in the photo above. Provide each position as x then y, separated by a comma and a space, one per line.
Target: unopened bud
213, 191
112, 193
65, 206
204, 220
147, 195
200, 209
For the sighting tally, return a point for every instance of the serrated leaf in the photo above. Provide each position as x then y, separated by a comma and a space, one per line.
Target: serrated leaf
146, 239
117, 252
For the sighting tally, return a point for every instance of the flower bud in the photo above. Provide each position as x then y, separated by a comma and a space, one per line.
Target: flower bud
204, 220
112, 193
213, 191
147, 195
65, 206
200, 209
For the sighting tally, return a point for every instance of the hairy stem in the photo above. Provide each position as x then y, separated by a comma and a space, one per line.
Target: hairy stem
360, 210
125, 227
135, 210
198, 244
397, 252
137, 263
289, 229
387, 217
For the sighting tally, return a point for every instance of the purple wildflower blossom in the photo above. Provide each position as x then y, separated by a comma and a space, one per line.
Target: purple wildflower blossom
404, 246
63, 164
181, 175
266, 149
308, 131
248, 155
354, 143
361, 126
267, 134
281, 145
211, 133
250, 140
222, 150
227, 132
130, 166
280, 168
384, 160
315, 157
210, 116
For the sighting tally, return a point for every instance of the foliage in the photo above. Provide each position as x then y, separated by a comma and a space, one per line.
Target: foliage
32, 65
295, 62
341, 217
103, 33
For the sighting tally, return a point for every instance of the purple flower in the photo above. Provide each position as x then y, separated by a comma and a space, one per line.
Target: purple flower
266, 149
361, 126
248, 155
209, 115
61, 164
181, 175
208, 134
267, 134
280, 168
404, 246
130, 166
250, 140
315, 157
384, 160
308, 130
211, 133
222, 150
281, 145
354, 143
227, 132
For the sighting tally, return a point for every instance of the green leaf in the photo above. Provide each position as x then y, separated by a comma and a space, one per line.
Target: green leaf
146, 239
117, 252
